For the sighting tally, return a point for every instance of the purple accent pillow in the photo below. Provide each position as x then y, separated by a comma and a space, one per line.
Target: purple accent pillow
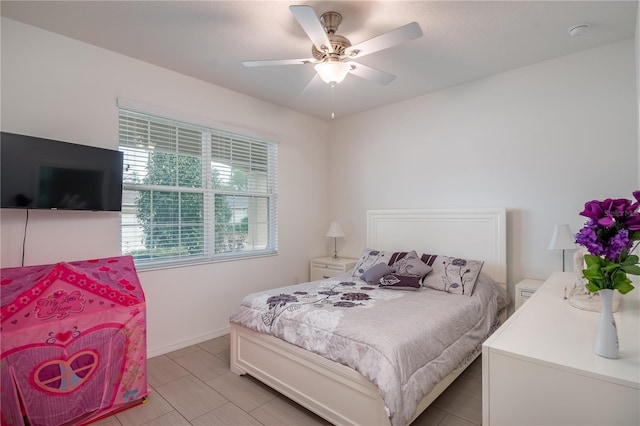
377, 271
452, 274
400, 282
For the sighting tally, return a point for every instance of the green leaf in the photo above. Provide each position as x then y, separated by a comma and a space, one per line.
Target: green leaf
624, 287
592, 271
632, 259
632, 269
622, 283
619, 276
592, 260
596, 281
592, 287
609, 269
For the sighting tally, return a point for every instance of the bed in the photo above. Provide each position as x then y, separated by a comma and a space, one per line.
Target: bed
339, 393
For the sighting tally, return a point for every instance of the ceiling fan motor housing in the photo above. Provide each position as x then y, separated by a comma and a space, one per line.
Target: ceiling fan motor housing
338, 42
330, 22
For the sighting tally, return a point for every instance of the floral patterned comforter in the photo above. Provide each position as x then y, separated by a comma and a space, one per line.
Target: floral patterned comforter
405, 342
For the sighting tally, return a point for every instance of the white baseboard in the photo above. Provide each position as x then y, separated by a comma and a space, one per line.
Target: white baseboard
174, 346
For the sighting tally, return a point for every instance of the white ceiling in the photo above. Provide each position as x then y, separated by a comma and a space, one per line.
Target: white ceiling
208, 40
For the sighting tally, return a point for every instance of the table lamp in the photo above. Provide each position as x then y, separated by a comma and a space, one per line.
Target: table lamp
335, 232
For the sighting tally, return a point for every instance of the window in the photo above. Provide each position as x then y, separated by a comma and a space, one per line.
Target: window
193, 194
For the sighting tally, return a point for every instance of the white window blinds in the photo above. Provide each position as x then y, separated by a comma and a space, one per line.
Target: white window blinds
195, 194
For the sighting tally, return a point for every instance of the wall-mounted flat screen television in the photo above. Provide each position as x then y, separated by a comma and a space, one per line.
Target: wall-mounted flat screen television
39, 173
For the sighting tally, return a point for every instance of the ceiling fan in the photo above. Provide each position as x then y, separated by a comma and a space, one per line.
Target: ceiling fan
333, 54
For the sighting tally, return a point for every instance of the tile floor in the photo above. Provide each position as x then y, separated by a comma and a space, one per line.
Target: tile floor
194, 386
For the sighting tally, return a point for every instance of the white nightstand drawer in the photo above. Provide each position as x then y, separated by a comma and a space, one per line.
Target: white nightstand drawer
327, 267
525, 289
320, 273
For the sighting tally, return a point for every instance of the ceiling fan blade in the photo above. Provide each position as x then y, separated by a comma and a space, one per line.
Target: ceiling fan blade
405, 33
308, 20
271, 62
315, 81
369, 73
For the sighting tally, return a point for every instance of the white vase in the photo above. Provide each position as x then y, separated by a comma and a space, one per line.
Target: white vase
607, 337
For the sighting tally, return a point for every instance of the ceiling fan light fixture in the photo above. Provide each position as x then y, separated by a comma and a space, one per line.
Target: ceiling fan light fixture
332, 72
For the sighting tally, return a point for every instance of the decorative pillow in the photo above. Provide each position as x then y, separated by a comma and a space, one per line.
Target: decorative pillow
452, 274
411, 265
400, 282
369, 258
377, 271
372, 257
396, 258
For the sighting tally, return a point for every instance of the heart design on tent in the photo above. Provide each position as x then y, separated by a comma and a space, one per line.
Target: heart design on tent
63, 337
65, 375
126, 284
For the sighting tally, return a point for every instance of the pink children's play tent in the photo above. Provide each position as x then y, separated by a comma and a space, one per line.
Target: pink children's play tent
73, 345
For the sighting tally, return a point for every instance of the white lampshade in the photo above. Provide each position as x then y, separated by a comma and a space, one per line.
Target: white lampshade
332, 72
335, 230
562, 238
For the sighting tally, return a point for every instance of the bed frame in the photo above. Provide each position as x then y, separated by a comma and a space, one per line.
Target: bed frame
334, 391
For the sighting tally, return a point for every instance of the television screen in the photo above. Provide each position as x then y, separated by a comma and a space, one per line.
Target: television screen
39, 173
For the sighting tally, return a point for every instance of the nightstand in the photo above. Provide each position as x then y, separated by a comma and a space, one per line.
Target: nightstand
525, 289
327, 267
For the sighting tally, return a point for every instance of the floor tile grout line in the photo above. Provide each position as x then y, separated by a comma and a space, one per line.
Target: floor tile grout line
175, 408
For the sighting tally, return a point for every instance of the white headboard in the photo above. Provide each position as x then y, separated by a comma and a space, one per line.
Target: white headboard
479, 234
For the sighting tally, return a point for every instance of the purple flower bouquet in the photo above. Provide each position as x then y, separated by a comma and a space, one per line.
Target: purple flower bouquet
610, 236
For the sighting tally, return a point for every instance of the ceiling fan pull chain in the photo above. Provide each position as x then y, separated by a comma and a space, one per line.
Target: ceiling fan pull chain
333, 101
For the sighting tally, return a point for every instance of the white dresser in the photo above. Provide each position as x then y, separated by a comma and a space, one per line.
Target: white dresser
540, 367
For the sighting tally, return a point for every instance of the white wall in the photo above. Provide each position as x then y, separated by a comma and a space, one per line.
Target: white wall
637, 45
539, 140
58, 88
